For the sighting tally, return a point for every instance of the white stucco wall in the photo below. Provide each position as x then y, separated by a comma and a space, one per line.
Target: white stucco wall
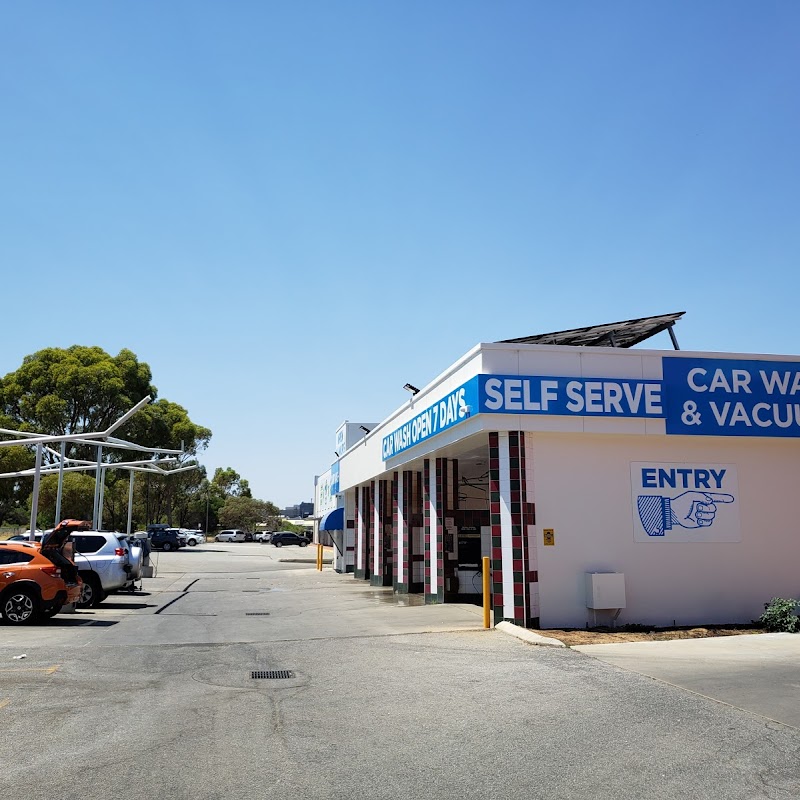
583, 491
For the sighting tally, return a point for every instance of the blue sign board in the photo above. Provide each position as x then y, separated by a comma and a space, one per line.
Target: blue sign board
732, 397
334, 479
604, 397
697, 396
454, 407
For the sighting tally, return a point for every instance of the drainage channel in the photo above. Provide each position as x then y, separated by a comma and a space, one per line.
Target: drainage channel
272, 674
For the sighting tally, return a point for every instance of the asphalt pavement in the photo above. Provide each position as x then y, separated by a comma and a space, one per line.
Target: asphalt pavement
235, 675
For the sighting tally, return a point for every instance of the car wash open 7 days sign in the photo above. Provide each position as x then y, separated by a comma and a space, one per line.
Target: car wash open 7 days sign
696, 397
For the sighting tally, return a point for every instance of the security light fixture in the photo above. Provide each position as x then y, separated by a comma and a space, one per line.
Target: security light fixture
411, 388
336, 454
364, 428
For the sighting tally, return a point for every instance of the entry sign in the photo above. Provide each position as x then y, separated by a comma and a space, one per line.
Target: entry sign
549, 537
685, 502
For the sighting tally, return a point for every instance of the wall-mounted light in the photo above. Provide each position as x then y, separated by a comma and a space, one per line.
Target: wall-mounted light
364, 428
409, 387
336, 454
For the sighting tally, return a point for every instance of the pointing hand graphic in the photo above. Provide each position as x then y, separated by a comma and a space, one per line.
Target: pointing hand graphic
696, 509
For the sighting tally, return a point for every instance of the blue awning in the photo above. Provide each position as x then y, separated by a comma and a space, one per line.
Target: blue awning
333, 520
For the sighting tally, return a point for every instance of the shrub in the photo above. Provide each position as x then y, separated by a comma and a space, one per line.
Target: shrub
779, 615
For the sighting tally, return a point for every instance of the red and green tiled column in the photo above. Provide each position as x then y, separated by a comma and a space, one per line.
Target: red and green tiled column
509, 518
416, 534
433, 515
363, 512
381, 535
349, 533
401, 513
529, 520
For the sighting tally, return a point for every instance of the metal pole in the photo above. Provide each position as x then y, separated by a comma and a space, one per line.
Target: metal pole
35, 499
60, 492
206, 530
487, 598
102, 497
130, 503
97, 486
127, 415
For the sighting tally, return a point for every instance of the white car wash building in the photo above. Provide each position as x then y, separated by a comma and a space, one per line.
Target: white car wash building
604, 483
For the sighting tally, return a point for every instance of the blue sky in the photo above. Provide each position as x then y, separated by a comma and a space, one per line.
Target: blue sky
291, 209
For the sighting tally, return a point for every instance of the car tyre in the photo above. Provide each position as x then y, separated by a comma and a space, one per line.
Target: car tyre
278, 544
20, 607
91, 591
303, 544
192, 542
167, 546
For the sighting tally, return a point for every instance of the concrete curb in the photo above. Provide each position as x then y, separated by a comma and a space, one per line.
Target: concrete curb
527, 635
304, 560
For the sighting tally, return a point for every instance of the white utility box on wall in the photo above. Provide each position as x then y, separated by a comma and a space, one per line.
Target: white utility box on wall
605, 590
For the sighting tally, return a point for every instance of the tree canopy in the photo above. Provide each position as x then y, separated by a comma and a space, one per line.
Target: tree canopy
246, 512
85, 390
74, 390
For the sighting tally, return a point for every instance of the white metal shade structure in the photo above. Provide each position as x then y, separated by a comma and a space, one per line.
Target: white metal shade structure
99, 440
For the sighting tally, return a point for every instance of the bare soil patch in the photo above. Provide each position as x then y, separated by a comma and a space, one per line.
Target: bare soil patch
637, 633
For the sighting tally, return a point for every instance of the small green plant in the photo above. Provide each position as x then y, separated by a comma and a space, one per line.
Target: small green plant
779, 615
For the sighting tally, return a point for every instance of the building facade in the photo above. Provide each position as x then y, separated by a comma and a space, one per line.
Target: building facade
641, 486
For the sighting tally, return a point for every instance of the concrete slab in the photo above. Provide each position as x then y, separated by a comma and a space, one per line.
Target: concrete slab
759, 673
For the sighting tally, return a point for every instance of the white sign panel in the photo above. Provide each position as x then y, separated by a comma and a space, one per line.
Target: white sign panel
685, 502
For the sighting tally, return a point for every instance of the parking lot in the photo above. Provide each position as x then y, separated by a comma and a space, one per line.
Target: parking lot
155, 693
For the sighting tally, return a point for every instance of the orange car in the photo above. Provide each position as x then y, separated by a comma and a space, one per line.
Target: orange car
31, 585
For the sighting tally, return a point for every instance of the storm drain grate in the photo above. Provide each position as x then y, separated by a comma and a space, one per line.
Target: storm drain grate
257, 613
272, 674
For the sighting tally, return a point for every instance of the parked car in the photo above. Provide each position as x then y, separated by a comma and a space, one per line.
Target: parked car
25, 537
281, 538
193, 538
107, 562
189, 537
31, 585
262, 536
181, 534
165, 539
232, 536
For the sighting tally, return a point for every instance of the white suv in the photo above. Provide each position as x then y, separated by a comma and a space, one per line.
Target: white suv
106, 562
231, 536
193, 538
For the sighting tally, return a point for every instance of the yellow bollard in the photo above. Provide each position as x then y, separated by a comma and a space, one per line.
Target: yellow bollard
487, 597
319, 558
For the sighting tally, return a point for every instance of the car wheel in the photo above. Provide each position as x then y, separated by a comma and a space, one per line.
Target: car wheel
91, 591
167, 546
303, 544
20, 607
192, 542
277, 544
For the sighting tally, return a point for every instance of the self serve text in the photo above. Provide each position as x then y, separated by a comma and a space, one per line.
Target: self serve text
612, 397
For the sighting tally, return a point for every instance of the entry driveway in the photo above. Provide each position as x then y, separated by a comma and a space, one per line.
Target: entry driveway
239, 676
760, 674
